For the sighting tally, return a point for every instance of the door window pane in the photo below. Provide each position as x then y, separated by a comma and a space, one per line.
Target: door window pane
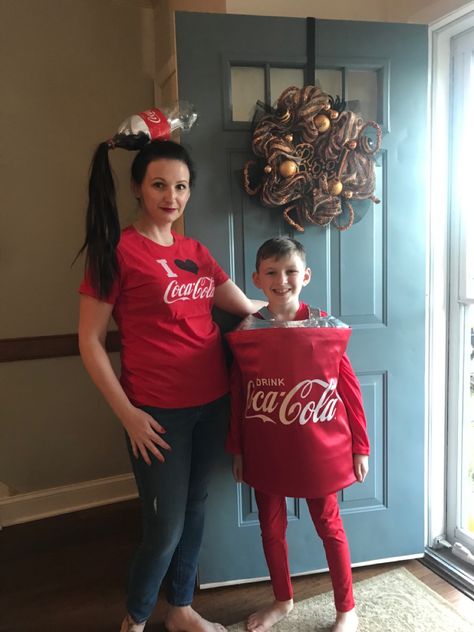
248, 86
362, 93
282, 78
330, 81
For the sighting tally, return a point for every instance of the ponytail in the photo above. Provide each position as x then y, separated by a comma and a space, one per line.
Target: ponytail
102, 220
102, 224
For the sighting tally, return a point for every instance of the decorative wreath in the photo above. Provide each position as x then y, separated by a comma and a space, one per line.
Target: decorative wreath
313, 157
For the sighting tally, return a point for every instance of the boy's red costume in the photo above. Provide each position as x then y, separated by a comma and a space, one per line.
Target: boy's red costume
297, 415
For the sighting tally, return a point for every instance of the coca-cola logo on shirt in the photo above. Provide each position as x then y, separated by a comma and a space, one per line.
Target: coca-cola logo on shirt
309, 400
202, 288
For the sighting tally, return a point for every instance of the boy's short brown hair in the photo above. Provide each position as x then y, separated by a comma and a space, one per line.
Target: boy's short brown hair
279, 247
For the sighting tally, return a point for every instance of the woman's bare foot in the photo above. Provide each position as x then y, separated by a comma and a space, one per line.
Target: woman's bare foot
186, 619
346, 621
265, 618
129, 625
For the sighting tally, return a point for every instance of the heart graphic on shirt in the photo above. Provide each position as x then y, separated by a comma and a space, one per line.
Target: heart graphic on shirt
188, 265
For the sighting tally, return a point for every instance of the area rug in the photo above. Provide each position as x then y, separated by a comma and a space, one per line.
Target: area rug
395, 601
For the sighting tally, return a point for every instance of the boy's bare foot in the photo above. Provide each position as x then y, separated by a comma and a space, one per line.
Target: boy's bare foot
186, 619
346, 621
265, 618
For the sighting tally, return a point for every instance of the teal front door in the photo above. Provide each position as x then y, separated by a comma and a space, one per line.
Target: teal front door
372, 276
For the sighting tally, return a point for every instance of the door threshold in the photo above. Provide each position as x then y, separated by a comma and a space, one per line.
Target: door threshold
252, 580
451, 569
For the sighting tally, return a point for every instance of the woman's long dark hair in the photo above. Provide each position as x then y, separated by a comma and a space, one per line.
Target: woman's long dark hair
102, 219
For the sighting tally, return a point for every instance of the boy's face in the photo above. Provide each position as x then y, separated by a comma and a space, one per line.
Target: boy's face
281, 279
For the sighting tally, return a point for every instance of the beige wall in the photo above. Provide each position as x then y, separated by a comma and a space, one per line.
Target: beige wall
418, 11
70, 71
425, 11
56, 428
341, 10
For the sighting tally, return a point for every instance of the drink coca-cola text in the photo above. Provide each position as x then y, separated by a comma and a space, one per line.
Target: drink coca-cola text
309, 400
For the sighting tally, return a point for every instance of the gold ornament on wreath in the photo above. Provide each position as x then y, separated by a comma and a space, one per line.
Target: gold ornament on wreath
313, 156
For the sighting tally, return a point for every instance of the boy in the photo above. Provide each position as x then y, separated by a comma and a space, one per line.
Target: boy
298, 427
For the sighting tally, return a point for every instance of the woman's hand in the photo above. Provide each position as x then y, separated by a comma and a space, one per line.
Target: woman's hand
361, 466
145, 434
237, 467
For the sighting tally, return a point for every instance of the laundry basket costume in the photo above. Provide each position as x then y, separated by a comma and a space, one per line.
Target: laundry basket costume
297, 415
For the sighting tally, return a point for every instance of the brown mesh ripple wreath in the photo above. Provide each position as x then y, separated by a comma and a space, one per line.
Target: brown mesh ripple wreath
313, 158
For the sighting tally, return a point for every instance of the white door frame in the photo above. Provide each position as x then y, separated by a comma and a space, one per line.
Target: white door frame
441, 34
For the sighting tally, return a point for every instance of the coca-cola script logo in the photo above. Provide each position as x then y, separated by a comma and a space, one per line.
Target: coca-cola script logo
202, 288
152, 115
309, 400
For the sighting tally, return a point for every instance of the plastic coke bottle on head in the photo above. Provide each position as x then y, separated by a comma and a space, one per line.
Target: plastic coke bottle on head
156, 123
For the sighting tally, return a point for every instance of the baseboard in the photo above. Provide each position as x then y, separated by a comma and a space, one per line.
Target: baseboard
60, 500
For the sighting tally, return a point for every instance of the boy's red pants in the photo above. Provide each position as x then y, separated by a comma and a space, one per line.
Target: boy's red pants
327, 520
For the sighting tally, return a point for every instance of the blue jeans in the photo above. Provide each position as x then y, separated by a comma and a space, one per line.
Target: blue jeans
173, 496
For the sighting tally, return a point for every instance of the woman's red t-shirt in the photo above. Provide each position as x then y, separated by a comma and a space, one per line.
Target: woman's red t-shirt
171, 351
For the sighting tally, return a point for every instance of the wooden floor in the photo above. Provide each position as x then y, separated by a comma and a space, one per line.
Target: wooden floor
68, 573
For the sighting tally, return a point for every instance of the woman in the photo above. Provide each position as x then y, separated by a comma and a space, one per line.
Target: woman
160, 288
